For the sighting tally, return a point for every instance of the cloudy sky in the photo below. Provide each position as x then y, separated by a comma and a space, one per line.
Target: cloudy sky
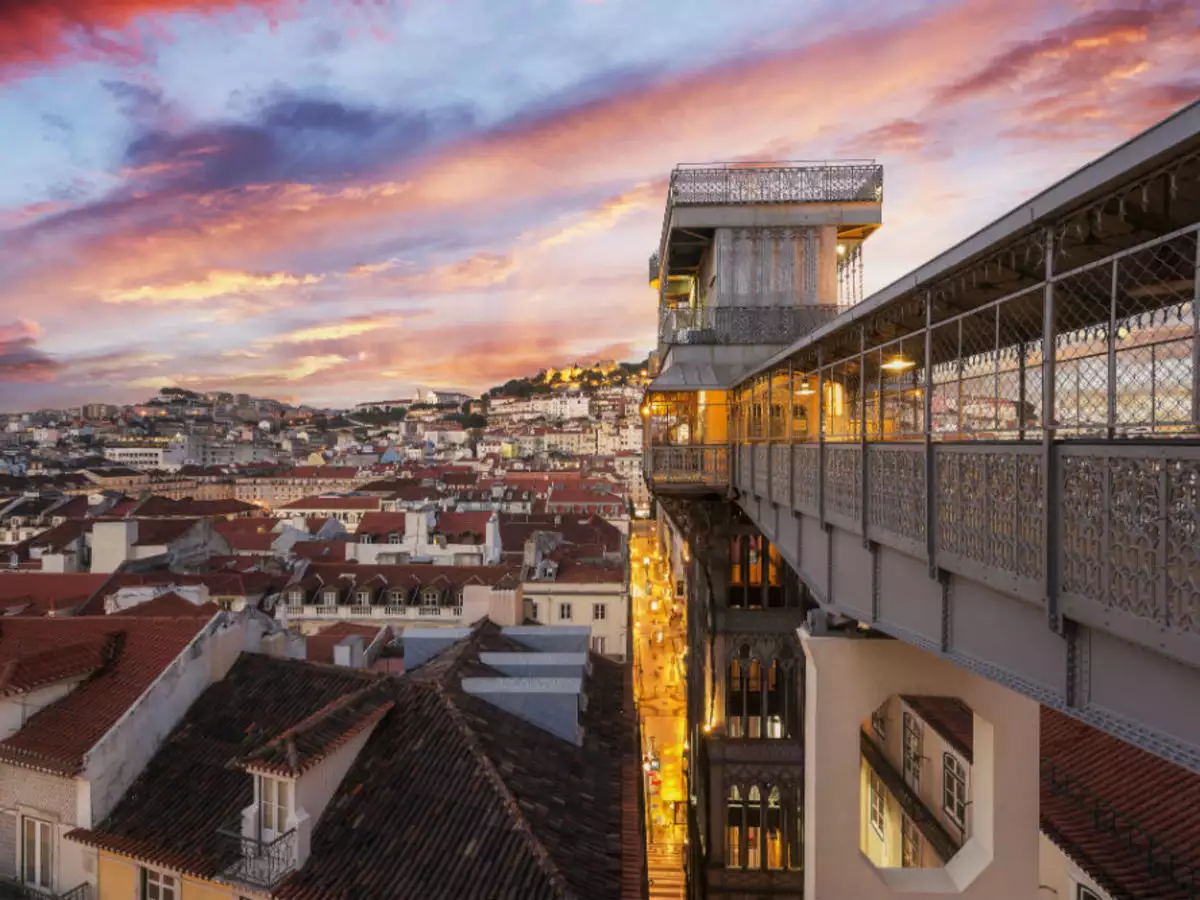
332, 201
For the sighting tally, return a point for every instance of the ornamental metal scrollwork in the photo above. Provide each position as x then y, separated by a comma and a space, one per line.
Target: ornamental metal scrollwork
781, 470
1123, 516
989, 508
805, 472
761, 469
897, 484
843, 481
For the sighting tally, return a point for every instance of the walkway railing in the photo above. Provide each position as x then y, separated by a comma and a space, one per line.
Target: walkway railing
700, 465
741, 324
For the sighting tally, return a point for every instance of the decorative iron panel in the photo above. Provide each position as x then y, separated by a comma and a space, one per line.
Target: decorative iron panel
807, 183
689, 465
741, 324
896, 481
806, 459
781, 474
989, 507
745, 478
762, 471
1131, 533
843, 483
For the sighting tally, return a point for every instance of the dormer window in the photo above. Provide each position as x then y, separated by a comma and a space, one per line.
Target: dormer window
366, 539
364, 597
273, 806
297, 596
330, 596
429, 597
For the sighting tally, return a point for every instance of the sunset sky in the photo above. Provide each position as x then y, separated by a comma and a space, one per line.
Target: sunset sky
334, 201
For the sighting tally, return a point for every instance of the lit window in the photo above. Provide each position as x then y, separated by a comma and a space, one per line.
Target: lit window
774, 831
159, 885
273, 806
913, 741
954, 789
910, 843
564, 612
876, 791
37, 852
599, 611
734, 828
754, 829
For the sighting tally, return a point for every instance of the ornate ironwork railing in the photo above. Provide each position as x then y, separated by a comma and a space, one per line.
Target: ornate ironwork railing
856, 181
741, 324
700, 465
259, 864
1158, 860
15, 890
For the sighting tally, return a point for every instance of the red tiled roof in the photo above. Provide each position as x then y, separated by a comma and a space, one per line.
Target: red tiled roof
453, 522
57, 737
320, 550
260, 524
305, 503
21, 674
319, 647
303, 746
381, 523
571, 571
46, 591
327, 473
171, 813
155, 532
171, 604
1095, 789
949, 717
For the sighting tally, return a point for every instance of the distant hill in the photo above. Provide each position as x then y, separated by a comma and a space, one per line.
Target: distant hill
586, 378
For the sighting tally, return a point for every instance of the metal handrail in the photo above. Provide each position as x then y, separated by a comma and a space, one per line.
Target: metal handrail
1105, 817
260, 864
780, 324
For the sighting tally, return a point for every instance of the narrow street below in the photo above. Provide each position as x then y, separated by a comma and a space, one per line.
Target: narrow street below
659, 640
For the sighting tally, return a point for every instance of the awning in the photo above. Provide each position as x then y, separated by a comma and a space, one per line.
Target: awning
696, 377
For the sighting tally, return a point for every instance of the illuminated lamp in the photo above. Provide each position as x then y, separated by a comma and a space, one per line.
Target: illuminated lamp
805, 389
898, 363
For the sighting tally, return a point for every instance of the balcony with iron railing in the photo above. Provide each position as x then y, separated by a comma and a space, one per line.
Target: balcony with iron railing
16, 890
707, 325
257, 864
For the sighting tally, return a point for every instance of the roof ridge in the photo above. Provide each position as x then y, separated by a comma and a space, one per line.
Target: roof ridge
541, 855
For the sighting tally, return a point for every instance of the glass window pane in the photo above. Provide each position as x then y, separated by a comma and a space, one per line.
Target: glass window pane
30, 851
45, 845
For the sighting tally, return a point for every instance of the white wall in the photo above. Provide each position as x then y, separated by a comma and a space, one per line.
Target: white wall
547, 595
849, 677
120, 755
1058, 877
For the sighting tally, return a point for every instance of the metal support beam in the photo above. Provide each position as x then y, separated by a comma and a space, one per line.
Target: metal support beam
1049, 469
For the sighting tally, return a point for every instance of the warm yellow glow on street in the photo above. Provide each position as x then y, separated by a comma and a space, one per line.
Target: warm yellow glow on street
660, 679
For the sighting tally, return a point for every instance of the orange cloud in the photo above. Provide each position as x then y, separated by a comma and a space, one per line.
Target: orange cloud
210, 285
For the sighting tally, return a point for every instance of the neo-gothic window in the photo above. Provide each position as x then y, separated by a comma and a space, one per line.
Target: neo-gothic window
762, 828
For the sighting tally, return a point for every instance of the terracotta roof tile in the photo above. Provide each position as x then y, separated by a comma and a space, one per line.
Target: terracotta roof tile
305, 503
950, 718
1102, 802
48, 591
57, 737
171, 813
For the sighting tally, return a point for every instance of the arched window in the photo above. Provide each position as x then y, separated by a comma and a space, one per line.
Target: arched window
734, 828
735, 700
775, 828
754, 829
776, 699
